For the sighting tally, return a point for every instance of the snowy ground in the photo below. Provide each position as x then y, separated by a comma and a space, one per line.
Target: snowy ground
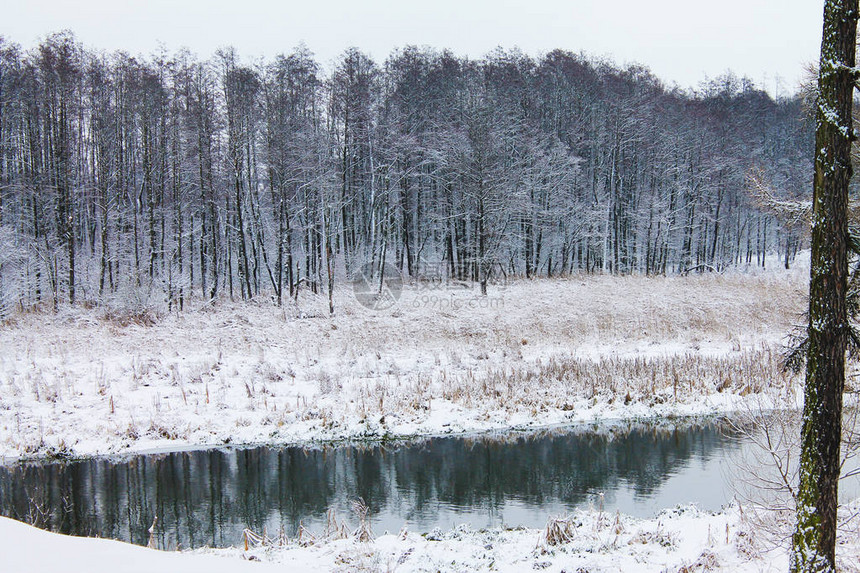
443, 360
682, 540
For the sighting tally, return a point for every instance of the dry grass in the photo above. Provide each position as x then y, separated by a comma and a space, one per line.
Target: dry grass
558, 531
557, 382
363, 533
658, 536
252, 372
707, 561
335, 530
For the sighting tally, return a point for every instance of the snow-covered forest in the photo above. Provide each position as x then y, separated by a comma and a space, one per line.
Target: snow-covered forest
533, 309
157, 179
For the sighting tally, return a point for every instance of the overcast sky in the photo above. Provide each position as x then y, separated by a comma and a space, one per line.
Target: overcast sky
682, 41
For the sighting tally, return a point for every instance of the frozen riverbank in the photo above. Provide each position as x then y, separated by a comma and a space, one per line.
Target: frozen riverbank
678, 540
443, 360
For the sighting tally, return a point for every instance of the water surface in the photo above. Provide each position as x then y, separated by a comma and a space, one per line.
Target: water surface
208, 497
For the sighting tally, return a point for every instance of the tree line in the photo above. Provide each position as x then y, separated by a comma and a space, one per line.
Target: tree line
170, 177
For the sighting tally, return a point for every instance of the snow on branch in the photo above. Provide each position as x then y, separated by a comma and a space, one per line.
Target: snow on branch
791, 212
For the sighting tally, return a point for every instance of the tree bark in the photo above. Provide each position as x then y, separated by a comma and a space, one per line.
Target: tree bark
814, 541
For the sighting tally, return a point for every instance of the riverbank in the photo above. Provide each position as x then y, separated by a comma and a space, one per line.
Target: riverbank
682, 540
443, 360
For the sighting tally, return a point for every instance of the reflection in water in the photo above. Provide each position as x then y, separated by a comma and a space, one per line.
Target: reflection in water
208, 497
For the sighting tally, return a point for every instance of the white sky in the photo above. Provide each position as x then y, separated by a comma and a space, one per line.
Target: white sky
681, 41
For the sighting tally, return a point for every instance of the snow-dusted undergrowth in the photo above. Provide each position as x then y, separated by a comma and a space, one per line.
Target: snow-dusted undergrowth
443, 360
679, 540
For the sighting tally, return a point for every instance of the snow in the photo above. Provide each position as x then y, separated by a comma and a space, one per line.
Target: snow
598, 542
78, 383
25, 548
602, 348
679, 539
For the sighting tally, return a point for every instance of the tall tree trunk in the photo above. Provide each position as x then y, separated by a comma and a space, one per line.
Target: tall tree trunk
814, 541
